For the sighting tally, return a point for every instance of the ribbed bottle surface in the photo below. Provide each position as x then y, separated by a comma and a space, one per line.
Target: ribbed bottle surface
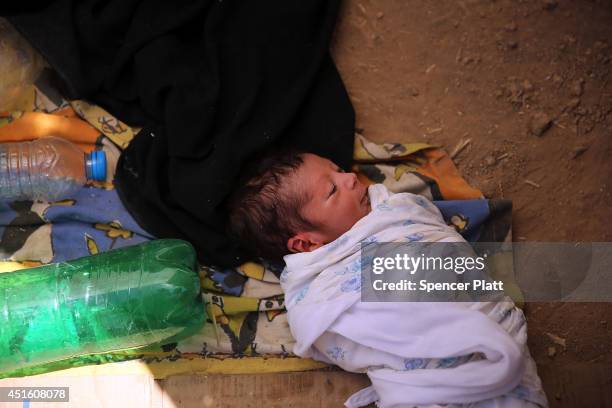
48, 169
131, 297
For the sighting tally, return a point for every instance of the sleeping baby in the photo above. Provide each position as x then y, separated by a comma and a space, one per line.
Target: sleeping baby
304, 209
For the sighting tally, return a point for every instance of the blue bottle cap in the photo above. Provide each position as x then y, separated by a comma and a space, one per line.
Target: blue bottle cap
95, 165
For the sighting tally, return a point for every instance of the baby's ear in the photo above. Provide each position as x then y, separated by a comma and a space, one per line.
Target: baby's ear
303, 242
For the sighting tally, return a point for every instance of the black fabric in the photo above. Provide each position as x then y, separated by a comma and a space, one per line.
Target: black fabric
211, 83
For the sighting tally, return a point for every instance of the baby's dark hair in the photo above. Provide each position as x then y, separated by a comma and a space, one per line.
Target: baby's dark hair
264, 209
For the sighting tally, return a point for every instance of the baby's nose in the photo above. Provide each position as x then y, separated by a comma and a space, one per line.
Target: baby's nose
351, 180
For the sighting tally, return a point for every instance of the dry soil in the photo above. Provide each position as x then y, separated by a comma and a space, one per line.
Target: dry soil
528, 83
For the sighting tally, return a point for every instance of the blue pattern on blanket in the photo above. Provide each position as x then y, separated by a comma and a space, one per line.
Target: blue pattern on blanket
414, 363
302, 294
352, 284
416, 237
96, 214
92, 221
467, 216
336, 353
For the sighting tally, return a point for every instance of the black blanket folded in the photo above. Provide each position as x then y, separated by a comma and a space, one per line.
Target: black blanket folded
211, 83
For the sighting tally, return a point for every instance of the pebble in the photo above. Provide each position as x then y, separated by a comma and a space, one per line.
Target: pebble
511, 26
490, 161
380, 15
579, 150
551, 351
512, 44
572, 104
577, 87
539, 123
600, 45
488, 188
527, 86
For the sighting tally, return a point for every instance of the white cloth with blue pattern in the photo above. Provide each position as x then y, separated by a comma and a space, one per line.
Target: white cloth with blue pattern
415, 353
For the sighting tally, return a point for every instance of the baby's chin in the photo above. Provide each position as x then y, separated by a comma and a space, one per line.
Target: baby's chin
365, 209
368, 210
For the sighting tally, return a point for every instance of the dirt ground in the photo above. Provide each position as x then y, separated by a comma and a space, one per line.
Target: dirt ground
529, 84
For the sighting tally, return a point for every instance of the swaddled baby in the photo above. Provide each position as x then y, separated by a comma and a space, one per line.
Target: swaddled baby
305, 209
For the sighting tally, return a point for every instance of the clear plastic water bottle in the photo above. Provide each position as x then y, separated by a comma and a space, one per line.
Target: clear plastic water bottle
48, 169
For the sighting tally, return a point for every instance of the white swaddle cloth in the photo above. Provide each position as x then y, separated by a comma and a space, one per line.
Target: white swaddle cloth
415, 353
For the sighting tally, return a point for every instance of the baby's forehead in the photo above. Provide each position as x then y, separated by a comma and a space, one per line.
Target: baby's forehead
313, 169
309, 175
310, 178
313, 163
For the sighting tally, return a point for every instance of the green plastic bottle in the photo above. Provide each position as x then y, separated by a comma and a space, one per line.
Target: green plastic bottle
124, 299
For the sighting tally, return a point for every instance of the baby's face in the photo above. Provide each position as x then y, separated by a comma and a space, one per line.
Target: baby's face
337, 199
